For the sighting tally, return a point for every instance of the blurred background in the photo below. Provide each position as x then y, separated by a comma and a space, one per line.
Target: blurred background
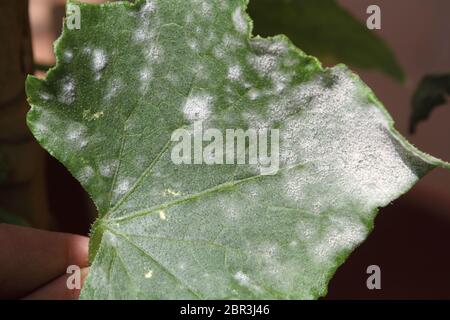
411, 238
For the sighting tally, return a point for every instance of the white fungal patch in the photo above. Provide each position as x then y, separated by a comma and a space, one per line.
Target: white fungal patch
99, 60
75, 135
193, 44
148, 274
239, 21
45, 96
162, 215
245, 281
197, 107
110, 238
66, 93
234, 73
85, 174
123, 186
144, 34
219, 52
68, 55
206, 9
154, 53
263, 64
342, 233
108, 168
254, 94
114, 88
189, 19
145, 75
149, 7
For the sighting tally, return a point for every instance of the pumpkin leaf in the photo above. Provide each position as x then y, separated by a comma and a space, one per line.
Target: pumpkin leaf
430, 94
326, 30
135, 73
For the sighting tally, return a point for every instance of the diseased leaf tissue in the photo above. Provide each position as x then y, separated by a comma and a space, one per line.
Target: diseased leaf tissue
124, 82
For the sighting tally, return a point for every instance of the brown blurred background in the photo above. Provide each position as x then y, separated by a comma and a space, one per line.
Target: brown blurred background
411, 239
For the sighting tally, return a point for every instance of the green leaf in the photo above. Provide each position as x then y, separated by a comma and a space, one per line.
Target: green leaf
430, 94
326, 30
134, 73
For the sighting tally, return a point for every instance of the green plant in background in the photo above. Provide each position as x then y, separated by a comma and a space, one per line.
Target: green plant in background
326, 30
134, 73
430, 94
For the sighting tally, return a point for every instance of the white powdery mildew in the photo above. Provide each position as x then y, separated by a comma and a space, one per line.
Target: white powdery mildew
85, 174
76, 136
342, 233
197, 107
206, 10
145, 77
144, 35
263, 64
148, 8
45, 96
68, 55
66, 94
239, 21
344, 142
193, 44
234, 73
245, 281
219, 52
114, 88
254, 94
107, 168
154, 53
123, 186
99, 60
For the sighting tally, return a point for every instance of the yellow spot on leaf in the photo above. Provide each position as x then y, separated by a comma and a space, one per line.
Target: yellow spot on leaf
149, 274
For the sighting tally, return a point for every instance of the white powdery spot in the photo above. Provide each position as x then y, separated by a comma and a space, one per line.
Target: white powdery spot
239, 21
148, 7
67, 91
85, 174
148, 274
206, 9
154, 54
68, 55
99, 60
197, 107
342, 233
113, 90
254, 94
234, 73
123, 186
245, 281
219, 52
263, 64
108, 168
45, 96
145, 75
193, 44
76, 136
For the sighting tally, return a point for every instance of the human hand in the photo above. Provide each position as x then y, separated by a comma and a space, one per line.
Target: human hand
33, 263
